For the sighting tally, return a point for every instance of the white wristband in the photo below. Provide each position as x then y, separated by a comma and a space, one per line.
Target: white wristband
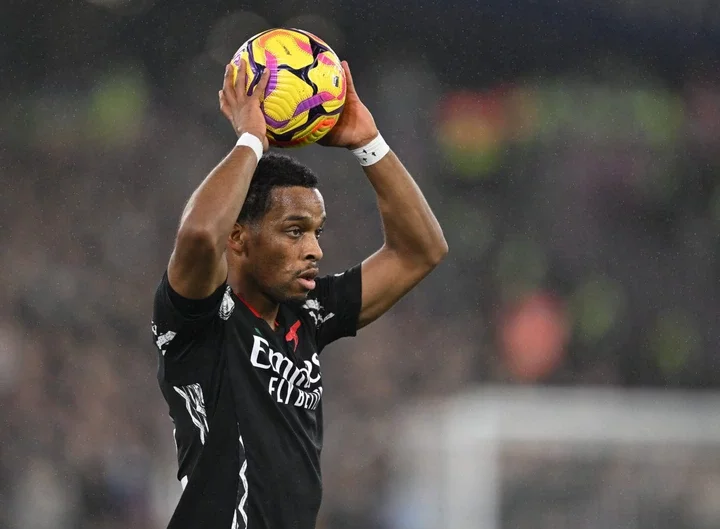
250, 140
373, 152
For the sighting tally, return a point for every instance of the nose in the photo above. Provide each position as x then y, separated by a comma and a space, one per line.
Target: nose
313, 252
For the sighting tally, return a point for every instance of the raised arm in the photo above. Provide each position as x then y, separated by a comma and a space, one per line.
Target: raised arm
197, 264
414, 242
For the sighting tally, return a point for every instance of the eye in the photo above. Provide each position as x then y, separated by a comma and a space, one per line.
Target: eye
319, 232
295, 232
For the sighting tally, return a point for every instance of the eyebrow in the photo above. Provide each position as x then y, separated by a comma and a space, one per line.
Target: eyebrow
302, 218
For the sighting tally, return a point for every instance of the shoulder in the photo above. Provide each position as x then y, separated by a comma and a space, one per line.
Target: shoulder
227, 305
184, 310
181, 327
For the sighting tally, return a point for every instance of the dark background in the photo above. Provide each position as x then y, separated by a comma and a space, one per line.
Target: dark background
569, 149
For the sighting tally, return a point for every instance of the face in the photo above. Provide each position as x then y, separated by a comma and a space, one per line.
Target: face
282, 250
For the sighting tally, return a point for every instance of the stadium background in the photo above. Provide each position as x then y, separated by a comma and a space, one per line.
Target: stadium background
571, 152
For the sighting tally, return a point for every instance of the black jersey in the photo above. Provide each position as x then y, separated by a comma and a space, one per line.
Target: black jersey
246, 402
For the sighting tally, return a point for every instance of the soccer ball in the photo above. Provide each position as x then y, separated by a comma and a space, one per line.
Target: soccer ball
306, 90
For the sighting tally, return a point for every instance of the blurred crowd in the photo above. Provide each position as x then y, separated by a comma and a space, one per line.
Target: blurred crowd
582, 252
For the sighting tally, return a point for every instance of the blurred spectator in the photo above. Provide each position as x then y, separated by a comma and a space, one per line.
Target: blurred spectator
587, 200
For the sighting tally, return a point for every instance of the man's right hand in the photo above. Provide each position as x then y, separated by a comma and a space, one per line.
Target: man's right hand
242, 110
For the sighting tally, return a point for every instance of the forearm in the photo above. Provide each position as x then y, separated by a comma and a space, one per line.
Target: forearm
409, 224
215, 205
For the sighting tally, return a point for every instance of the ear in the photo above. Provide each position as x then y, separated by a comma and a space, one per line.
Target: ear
238, 239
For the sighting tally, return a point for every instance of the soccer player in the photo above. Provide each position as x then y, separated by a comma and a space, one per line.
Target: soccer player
240, 316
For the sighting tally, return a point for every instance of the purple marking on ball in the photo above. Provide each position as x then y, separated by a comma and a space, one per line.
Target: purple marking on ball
271, 63
274, 123
251, 61
311, 102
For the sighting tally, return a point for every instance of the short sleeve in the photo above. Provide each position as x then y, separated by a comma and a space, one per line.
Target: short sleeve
178, 321
334, 305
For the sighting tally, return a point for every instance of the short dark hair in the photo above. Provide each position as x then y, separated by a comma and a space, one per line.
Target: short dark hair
273, 170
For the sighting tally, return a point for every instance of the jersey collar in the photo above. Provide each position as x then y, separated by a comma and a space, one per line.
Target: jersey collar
252, 309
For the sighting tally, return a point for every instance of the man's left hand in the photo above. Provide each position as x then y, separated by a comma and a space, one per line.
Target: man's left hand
356, 126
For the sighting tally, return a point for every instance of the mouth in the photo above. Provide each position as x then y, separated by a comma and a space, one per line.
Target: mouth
307, 278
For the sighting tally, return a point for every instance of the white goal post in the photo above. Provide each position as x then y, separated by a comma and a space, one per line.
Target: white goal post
559, 458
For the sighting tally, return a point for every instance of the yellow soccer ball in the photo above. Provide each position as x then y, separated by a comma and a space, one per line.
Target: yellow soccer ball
306, 90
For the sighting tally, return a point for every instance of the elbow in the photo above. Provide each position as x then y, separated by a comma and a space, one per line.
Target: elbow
435, 252
438, 252
432, 254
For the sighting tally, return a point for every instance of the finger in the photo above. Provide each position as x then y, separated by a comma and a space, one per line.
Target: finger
348, 77
224, 108
228, 89
241, 81
259, 91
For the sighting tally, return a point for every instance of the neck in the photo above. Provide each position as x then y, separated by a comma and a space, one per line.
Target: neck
246, 289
